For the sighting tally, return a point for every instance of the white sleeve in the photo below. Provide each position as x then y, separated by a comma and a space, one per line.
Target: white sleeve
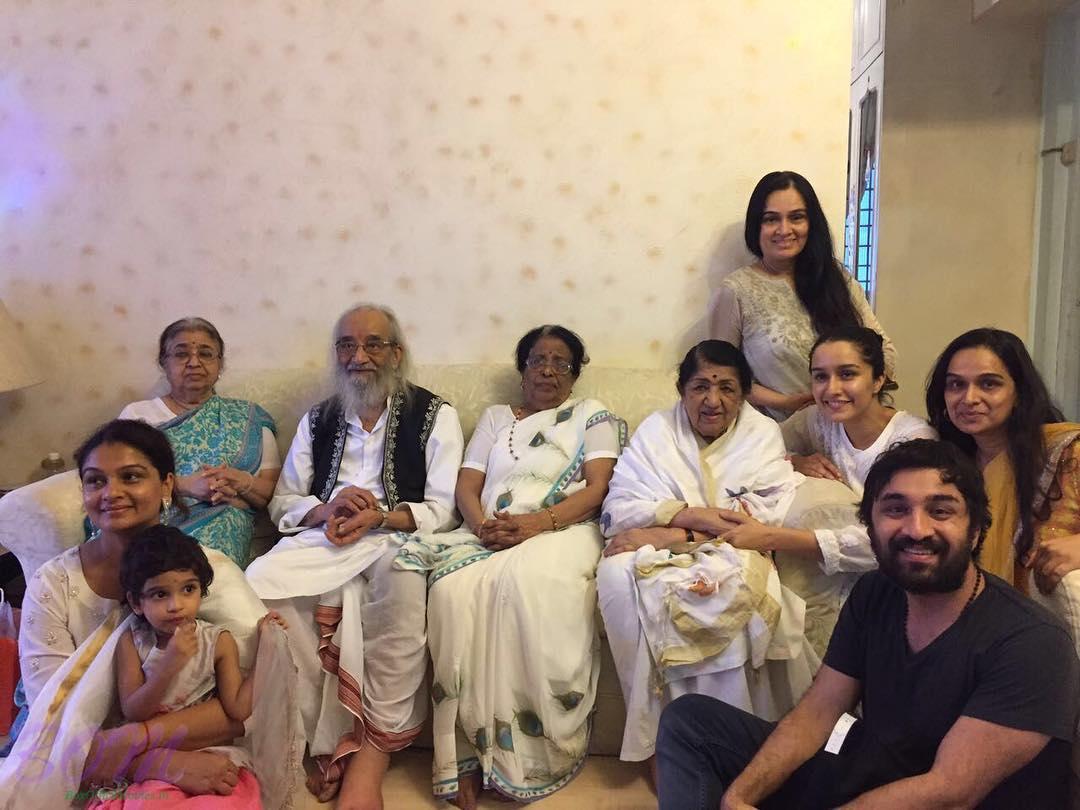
443, 455
481, 442
846, 549
45, 642
271, 458
602, 439
292, 495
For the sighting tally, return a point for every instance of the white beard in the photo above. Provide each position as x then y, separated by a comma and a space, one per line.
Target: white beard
357, 395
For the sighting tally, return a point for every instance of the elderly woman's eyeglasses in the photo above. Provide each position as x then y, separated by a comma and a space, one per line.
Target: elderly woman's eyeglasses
556, 364
373, 347
183, 354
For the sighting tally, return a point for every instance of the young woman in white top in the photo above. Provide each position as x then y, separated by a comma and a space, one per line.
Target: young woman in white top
823, 548
838, 438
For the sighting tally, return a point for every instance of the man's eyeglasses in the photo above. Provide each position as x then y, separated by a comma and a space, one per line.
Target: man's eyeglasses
373, 347
204, 354
558, 365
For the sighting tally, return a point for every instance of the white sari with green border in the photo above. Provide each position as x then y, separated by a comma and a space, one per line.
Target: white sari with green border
512, 633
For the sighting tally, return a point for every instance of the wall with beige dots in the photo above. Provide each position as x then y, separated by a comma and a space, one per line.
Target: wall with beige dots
479, 167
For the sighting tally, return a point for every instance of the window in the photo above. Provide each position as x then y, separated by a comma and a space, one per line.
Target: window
860, 226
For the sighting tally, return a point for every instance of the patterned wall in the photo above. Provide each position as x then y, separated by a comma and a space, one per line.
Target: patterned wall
480, 167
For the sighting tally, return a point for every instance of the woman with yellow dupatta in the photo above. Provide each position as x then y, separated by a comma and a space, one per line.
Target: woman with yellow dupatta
986, 396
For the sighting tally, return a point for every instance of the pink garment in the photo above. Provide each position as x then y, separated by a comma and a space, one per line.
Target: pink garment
154, 794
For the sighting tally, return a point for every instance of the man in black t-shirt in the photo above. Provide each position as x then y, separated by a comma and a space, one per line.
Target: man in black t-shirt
968, 689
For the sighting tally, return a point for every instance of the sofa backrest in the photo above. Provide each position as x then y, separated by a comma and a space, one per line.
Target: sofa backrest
632, 393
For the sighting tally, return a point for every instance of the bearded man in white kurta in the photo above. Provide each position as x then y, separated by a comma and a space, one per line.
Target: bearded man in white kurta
368, 467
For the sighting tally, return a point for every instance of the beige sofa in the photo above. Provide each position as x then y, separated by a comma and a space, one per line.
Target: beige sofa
38, 521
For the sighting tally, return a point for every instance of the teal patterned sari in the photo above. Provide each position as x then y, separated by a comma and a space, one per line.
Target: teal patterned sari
220, 431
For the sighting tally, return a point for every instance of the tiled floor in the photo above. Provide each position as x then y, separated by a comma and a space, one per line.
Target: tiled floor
604, 783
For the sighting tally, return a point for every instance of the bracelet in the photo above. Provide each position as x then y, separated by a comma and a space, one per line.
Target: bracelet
382, 520
554, 521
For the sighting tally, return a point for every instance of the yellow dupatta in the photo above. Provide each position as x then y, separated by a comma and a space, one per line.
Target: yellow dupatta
998, 554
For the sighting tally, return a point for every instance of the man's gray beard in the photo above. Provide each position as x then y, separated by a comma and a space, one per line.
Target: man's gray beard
357, 396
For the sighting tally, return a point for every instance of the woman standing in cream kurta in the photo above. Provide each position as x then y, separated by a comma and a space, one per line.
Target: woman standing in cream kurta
775, 308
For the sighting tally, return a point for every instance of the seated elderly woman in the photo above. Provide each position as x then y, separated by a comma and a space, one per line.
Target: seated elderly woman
226, 457
74, 614
512, 593
689, 604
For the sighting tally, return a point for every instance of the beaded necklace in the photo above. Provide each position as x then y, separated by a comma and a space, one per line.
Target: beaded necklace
517, 418
967, 604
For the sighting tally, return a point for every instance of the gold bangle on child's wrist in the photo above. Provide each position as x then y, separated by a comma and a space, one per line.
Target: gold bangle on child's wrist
555, 526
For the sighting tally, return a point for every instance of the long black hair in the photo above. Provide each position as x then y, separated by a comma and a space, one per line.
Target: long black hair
819, 277
1033, 409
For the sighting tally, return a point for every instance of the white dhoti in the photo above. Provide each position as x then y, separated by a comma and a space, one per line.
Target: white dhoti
357, 626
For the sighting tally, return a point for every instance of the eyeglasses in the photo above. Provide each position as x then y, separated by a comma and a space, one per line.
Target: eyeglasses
556, 364
204, 354
346, 347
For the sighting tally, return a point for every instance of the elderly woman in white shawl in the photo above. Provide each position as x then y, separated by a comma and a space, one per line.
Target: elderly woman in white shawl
73, 616
688, 608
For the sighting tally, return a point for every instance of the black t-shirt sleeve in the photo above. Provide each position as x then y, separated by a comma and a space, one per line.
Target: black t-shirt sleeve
847, 647
1028, 681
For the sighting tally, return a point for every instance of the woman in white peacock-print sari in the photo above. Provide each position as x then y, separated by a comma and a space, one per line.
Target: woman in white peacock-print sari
513, 594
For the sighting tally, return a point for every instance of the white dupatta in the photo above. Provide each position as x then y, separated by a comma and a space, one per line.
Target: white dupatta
717, 607
744, 470
44, 769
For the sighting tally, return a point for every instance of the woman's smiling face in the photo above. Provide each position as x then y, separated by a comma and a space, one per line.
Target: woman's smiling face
712, 398
841, 381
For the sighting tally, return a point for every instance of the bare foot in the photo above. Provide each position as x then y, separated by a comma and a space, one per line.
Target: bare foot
323, 778
361, 789
469, 787
194, 772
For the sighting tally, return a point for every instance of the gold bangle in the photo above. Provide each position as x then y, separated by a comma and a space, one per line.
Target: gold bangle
247, 489
554, 521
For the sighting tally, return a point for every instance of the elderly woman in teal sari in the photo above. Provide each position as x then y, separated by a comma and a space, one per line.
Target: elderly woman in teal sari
512, 594
226, 456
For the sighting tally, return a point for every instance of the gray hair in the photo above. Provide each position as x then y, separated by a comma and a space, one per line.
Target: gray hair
192, 324
404, 370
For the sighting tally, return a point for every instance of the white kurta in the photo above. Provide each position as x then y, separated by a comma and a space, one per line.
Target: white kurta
759, 662
356, 623
763, 316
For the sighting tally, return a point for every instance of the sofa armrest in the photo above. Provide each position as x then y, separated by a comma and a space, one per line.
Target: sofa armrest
40, 520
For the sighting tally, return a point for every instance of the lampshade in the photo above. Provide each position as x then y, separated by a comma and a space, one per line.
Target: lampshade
17, 368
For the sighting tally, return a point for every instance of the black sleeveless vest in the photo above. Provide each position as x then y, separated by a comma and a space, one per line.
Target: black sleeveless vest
409, 420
